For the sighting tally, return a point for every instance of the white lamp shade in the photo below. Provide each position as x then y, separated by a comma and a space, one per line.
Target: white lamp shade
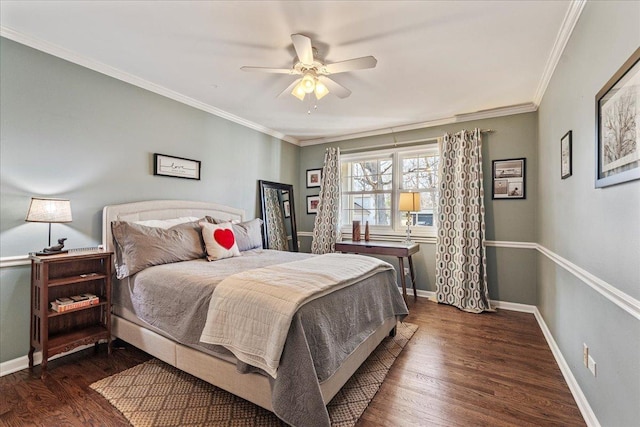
410, 202
49, 210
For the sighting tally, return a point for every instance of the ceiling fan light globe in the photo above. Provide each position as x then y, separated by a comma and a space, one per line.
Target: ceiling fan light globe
299, 91
308, 83
320, 90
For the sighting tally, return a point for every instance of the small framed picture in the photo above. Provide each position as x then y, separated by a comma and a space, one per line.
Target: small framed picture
617, 127
176, 167
312, 204
287, 209
314, 177
565, 156
508, 179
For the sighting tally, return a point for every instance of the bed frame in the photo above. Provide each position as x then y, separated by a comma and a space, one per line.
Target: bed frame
252, 387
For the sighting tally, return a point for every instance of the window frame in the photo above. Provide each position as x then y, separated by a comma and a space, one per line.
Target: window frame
397, 229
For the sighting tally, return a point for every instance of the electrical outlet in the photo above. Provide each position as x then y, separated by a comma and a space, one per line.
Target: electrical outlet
585, 354
592, 366
406, 271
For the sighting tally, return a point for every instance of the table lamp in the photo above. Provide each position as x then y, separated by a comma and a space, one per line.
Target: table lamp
50, 210
409, 202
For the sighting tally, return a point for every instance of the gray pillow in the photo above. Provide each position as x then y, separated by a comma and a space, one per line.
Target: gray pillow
248, 234
138, 246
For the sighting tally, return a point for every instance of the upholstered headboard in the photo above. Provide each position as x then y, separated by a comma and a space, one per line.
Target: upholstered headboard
162, 209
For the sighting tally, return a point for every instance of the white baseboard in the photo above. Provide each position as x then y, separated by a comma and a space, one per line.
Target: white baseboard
20, 363
581, 400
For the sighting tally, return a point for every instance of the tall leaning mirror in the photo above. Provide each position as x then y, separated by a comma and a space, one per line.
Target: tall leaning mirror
277, 208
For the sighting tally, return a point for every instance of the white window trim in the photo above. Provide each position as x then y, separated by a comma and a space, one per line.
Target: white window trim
397, 231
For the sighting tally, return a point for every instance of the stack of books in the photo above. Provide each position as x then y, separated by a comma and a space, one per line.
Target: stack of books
76, 301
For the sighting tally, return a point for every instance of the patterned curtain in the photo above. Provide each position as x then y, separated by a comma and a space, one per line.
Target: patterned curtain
326, 230
276, 234
461, 263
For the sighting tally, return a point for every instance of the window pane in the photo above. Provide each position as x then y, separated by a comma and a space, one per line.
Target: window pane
375, 208
372, 185
420, 172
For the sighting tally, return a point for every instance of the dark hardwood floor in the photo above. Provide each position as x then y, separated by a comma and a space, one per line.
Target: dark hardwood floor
460, 369
463, 369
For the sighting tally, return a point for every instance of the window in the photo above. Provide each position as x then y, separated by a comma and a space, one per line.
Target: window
372, 182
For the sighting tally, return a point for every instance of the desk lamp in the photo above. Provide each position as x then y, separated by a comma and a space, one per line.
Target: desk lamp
50, 210
409, 202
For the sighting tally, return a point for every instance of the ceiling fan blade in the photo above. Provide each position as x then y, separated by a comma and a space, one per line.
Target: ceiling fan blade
289, 88
335, 88
351, 64
303, 47
270, 70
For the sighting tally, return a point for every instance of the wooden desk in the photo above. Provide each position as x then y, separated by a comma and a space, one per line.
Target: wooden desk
397, 249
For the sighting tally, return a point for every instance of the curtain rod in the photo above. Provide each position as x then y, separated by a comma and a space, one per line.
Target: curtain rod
400, 144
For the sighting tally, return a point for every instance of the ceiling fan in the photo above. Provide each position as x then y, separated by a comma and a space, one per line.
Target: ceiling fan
314, 72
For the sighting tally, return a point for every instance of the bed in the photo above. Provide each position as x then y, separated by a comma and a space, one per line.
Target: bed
328, 339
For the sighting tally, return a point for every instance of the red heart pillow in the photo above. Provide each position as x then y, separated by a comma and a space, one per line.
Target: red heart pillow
219, 240
224, 237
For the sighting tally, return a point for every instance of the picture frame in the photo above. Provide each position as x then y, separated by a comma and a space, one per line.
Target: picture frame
617, 128
566, 167
312, 204
508, 179
314, 177
176, 167
287, 209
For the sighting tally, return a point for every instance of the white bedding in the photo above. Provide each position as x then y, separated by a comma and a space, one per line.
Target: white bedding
250, 312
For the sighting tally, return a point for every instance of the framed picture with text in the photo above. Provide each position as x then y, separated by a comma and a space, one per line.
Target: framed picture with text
508, 179
176, 167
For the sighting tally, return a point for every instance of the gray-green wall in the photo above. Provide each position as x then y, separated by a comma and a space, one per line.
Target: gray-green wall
512, 272
70, 132
598, 230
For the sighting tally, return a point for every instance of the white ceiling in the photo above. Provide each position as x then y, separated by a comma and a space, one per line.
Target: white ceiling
437, 60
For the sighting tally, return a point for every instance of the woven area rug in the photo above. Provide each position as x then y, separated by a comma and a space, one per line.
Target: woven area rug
156, 394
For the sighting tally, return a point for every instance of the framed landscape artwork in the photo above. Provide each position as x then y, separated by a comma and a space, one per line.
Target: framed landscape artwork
312, 204
508, 179
618, 126
565, 156
314, 177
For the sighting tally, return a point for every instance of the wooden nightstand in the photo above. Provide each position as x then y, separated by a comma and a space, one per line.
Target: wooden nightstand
66, 275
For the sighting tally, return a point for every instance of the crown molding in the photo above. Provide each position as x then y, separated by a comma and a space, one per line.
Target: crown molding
458, 118
99, 67
571, 18
566, 29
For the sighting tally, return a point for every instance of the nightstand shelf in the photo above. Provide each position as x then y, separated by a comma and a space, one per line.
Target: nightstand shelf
63, 276
75, 279
63, 342
53, 313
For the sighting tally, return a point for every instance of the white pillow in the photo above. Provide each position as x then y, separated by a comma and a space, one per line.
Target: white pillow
166, 223
219, 240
